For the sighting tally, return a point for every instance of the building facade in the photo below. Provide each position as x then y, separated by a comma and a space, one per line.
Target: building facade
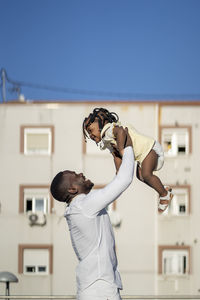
157, 254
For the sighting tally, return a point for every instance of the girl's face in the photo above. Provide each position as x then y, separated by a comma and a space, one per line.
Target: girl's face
94, 132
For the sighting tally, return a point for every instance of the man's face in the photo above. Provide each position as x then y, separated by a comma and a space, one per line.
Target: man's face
79, 181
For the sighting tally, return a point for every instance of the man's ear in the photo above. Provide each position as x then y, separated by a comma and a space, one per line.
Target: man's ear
73, 190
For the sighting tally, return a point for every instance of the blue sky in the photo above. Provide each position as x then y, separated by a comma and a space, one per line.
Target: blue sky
119, 50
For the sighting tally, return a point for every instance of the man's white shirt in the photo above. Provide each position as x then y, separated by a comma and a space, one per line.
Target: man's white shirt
91, 231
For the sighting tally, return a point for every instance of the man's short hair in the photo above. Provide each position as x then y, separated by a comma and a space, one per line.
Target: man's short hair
59, 188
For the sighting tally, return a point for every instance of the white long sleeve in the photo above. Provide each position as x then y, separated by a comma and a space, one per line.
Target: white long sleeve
96, 200
91, 231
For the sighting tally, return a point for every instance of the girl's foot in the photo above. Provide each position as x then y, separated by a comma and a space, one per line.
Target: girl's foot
164, 202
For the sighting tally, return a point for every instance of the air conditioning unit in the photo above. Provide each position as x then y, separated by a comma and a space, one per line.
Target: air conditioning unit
37, 218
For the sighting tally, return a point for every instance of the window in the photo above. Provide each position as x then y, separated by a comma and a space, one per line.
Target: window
35, 259
37, 140
36, 203
176, 140
180, 205
35, 199
174, 260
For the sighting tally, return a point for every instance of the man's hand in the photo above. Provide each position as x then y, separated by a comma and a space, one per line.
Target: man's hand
122, 138
128, 139
128, 142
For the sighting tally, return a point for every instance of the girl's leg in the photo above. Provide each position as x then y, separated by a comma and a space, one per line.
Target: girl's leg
148, 166
139, 173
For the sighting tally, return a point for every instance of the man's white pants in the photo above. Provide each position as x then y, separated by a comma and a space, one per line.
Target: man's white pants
100, 290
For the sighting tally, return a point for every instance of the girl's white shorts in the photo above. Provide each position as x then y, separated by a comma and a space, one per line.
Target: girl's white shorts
159, 151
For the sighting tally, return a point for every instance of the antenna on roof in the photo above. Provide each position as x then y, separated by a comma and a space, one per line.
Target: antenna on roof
15, 88
3, 84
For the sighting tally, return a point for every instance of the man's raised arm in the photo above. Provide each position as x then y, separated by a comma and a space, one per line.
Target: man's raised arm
99, 199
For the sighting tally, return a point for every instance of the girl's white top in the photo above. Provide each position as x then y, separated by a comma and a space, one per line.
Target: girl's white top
91, 231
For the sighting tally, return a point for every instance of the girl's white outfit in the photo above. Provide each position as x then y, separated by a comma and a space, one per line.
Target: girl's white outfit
142, 144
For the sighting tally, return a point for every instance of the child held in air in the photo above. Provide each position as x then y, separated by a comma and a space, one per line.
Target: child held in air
104, 128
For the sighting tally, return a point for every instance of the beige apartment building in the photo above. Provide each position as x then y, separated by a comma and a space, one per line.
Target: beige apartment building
157, 254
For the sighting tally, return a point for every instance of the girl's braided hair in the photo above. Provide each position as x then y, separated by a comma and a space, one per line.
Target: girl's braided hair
101, 115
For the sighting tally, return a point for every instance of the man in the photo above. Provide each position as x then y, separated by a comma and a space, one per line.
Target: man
90, 228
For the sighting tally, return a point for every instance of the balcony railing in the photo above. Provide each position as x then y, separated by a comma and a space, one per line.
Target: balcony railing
130, 297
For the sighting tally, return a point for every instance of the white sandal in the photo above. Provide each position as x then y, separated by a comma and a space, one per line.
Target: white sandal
168, 197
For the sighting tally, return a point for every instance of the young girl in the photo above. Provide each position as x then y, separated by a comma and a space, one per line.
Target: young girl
104, 128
